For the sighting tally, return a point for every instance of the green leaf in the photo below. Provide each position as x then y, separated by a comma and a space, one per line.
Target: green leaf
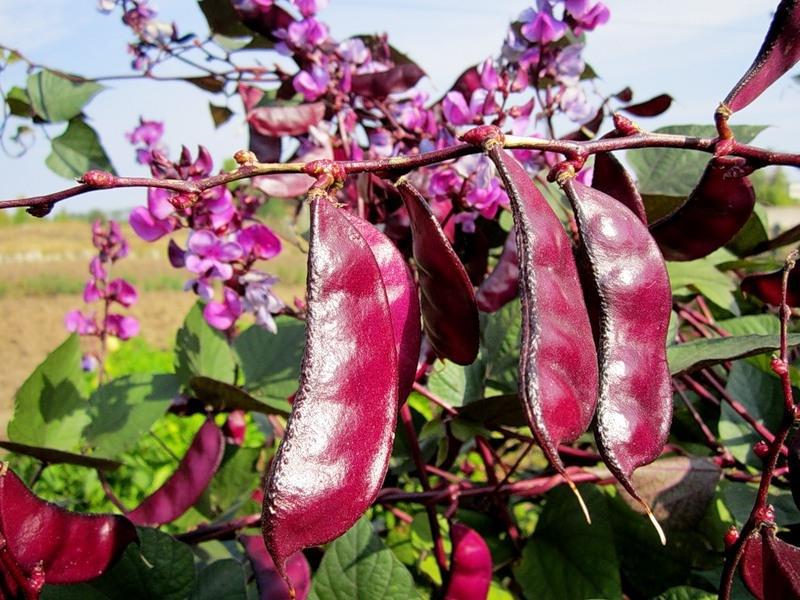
271, 362
221, 580
448, 381
754, 234
675, 172
657, 206
496, 410
762, 395
202, 350
703, 353
741, 497
224, 396
500, 352
236, 478
685, 592
160, 567
568, 559
18, 102
702, 276
358, 566
124, 409
49, 408
56, 98
222, 19
76, 151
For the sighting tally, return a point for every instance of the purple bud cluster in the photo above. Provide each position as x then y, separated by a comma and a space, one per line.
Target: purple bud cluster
111, 246
225, 240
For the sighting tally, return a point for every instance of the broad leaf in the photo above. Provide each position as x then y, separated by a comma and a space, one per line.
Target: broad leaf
762, 395
358, 566
702, 353
221, 580
123, 410
55, 98
222, 19
685, 592
76, 151
568, 559
753, 235
202, 350
49, 408
500, 352
671, 172
226, 397
702, 276
271, 362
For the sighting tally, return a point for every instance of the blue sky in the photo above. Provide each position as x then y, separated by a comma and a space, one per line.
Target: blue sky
694, 49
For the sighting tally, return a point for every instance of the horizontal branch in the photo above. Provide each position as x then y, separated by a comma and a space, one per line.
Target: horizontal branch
398, 165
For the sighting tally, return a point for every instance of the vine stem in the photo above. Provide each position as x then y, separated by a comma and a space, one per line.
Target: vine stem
757, 156
780, 366
430, 509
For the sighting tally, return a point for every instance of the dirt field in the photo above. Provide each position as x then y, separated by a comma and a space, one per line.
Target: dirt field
43, 268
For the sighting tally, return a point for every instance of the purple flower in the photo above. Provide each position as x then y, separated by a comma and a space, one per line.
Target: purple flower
541, 26
222, 315
467, 221
148, 133
487, 199
574, 103
445, 182
489, 78
122, 292
76, 322
147, 226
210, 257
310, 7
89, 362
91, 293
312, 85
259, 299
259, 241
96, 268
455, 109
122, 327
176, 255
381, 142
354, 51
588, 14
158, 203
218, 204
570, 65
307, 33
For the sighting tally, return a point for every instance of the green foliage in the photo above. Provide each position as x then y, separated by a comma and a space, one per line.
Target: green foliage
202, 350
358, 566
76, 151
55, 98
50, 408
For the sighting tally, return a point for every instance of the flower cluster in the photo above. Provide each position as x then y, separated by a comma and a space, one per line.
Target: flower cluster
225, 240
147, 135
111, 247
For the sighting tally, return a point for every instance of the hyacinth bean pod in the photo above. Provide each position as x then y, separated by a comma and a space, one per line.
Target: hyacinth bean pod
449, 308
470, 565
611, 178
779, 52
770, 567
401, 292
767, 287
271, 585
634, 409
502, 284
716, 210
558, 361
62, 546
335, 451
187, 483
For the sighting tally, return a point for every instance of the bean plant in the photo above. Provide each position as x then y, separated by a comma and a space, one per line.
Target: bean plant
521, 367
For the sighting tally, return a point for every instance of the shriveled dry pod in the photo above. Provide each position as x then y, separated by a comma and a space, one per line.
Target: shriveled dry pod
630, 280
335, 451
558, 361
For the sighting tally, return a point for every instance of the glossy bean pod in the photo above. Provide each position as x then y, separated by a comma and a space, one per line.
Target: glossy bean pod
401, 292
630, 280
770, 567
558, 360
185, 486
336, 447
449, 308
271, 585
470, 565
715, 211
502, 284
779, 52
611, 178
64, 546
767, 287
